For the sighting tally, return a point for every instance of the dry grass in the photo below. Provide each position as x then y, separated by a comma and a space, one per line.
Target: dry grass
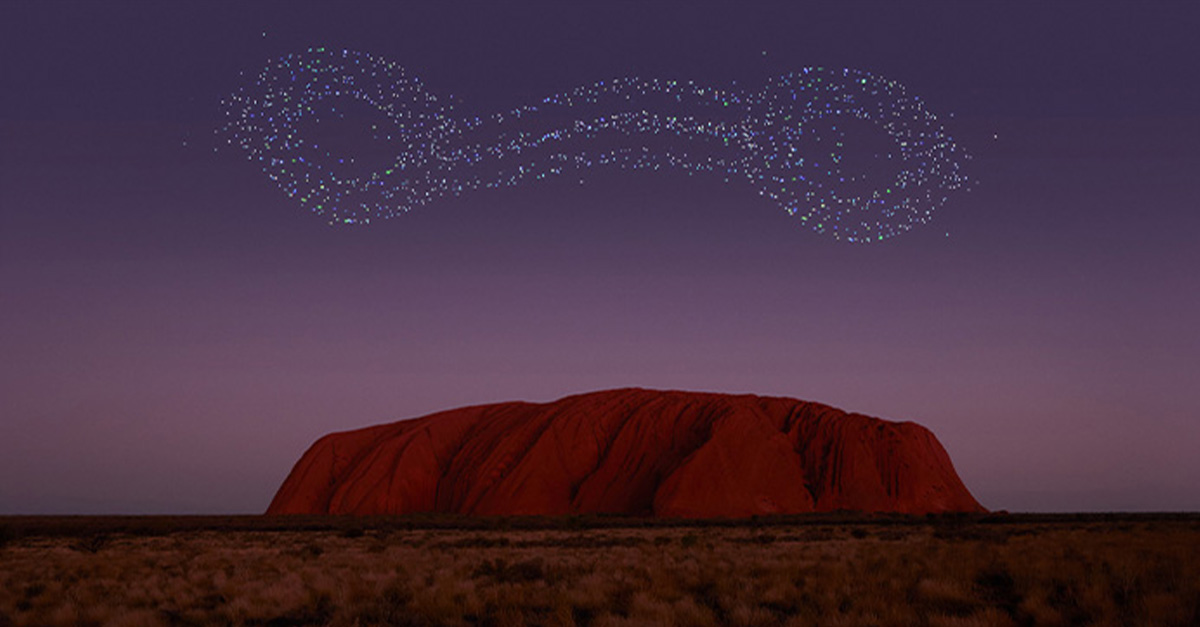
939, 572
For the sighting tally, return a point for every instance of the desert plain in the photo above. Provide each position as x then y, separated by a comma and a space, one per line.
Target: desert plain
832, 569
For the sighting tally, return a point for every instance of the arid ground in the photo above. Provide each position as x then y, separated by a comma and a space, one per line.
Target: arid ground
824, 570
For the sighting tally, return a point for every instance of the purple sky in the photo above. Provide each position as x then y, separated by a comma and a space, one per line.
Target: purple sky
175, 331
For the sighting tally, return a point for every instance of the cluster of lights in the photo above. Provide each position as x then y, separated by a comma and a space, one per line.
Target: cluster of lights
850, 154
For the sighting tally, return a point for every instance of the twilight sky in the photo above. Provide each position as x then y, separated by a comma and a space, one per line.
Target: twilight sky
175, 330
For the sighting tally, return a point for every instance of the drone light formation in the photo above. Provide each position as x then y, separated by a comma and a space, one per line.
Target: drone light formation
355, 139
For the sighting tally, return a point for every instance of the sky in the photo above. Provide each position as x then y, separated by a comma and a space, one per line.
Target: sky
175, 330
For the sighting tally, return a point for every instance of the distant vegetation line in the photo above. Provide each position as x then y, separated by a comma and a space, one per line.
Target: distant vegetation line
12, 527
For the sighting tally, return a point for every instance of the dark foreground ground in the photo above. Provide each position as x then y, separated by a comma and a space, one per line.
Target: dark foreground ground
431, 570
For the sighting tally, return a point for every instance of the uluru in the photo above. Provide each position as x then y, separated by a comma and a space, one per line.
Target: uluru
629, 451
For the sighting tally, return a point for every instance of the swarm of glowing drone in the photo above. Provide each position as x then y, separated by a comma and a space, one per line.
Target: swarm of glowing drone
354, 139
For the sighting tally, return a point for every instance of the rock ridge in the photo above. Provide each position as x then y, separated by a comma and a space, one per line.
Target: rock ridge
629, 451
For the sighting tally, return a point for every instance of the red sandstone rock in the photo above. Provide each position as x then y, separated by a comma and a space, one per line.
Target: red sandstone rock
631, 451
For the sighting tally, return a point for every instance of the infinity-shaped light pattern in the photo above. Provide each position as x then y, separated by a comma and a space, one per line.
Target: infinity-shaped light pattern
851, 154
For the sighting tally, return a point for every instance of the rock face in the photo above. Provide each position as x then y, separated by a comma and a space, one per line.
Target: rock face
630, 451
